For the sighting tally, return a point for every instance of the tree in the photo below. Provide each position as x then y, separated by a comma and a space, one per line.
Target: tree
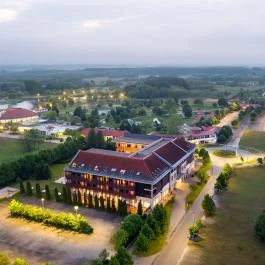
148, 232
187, 110
103, 256
260, 160
140, 208
4, 260
221, 182
102, 203
79, 198
85, 199
90, 200
56, 195
113, 206
153, 224
47, 193
91, 139
123, 256
71, 102
100, 142
142, 243
51, 115
208, 205
96, 202
42, 171
120, 238
108, 205
260, 227
29, 189
38, 190
32, 139
222, 102
22, 188
64, 194
114, 261
14, 128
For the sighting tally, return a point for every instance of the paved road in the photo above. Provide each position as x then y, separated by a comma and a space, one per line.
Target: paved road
174, 251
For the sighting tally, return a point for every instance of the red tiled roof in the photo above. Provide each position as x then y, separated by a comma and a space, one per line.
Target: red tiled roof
146, 166
170, 152
17, 113
106, 132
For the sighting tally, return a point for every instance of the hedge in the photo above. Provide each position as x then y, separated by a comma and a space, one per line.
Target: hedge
63, 220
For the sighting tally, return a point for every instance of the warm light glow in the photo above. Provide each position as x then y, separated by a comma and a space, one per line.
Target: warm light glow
73, 92
76, 207
111, 96
59, 98
42, 199
64, 93
50, 105
122, 94
38, 94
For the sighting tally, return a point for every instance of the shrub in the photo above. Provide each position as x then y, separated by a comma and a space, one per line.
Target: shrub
142, 243
22, 188
19, 261
123, 256
61, 220
29, 189
148, 232
56, 195
120, 238
208, 205
47, 193
140, 208
132, 225
260, 227
38, 191
4, 260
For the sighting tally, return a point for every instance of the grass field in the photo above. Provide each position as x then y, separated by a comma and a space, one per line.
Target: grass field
230, 239
225, 153
253, 139
11, 149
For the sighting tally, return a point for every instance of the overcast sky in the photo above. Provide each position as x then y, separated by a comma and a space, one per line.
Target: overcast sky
149, 32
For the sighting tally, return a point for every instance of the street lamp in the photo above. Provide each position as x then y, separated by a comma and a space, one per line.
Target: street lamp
42, 202
76, 209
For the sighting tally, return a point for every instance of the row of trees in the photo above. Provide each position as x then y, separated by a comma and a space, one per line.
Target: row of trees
142, 229
35, 166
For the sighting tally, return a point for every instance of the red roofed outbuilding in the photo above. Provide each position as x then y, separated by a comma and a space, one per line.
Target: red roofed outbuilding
17, 115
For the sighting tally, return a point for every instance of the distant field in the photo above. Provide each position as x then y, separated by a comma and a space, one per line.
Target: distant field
225, 153
253, 139
11, 149
230, 239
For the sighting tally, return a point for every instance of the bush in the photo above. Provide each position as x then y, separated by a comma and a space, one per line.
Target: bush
38, 190
19, 261
208, 205
260, 227
120, 238
61, 220
148, 232
4, 260
47, 193
142, 243
29, 189
132, 225
22, 188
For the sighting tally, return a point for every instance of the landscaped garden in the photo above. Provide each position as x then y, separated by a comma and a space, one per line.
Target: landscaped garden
225, 153
230, 239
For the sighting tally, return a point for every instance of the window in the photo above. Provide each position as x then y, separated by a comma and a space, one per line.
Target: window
128, 145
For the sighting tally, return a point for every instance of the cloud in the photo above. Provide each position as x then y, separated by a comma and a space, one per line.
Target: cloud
7, 15
93, 24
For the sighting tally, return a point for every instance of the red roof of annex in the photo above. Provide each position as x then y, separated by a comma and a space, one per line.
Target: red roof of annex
16, 113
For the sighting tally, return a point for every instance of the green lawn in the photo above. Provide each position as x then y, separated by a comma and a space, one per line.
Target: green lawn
230, 238
11, 149
253, 139
225, 153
